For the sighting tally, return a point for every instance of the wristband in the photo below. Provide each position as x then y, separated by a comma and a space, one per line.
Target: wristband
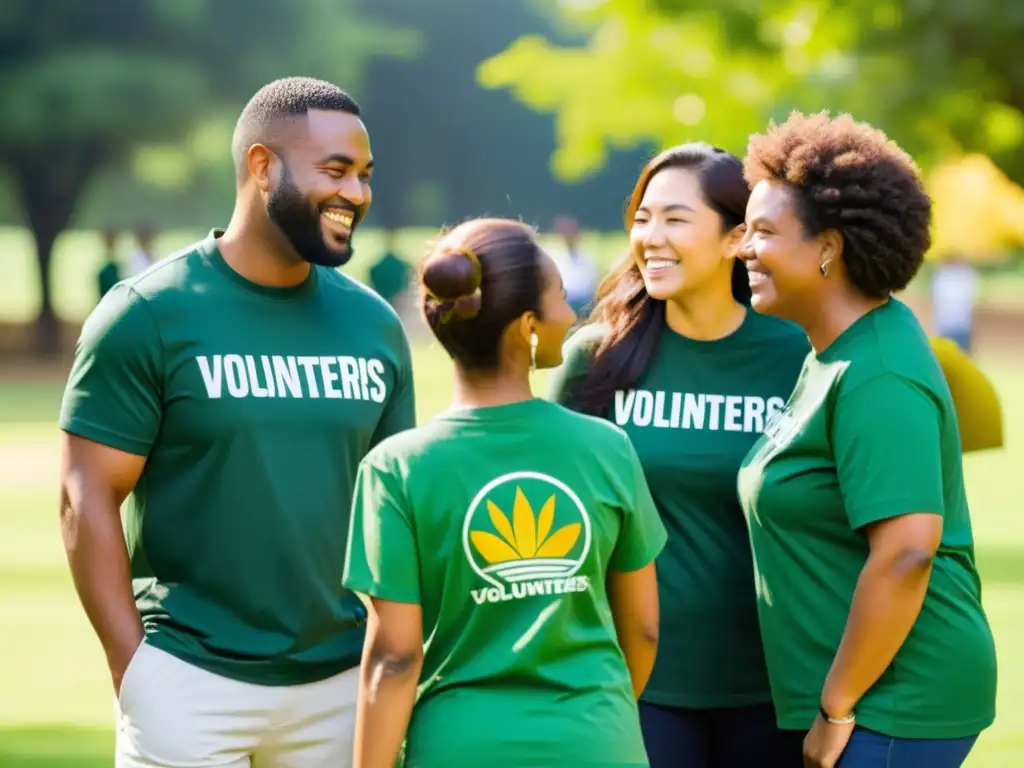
836, 720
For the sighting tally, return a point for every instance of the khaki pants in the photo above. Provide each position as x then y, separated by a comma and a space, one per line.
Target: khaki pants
171, 714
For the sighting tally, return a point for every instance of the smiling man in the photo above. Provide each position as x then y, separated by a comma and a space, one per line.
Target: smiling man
227, 394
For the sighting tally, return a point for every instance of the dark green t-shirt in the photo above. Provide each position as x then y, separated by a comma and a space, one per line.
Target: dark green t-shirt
692, 416
254, 406
502, 523
389, 276
869, 434
107, 277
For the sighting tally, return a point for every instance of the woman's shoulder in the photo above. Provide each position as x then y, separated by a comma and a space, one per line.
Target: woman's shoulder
591, 432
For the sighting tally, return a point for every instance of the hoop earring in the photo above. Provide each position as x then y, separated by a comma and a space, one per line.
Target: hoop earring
533, 351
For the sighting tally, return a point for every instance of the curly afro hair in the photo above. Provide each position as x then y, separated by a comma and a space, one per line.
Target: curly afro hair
849, 176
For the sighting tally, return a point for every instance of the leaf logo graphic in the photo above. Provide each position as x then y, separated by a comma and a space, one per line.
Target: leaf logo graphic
526, 536
528, 546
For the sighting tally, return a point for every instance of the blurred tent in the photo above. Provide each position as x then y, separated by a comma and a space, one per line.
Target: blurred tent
978, 212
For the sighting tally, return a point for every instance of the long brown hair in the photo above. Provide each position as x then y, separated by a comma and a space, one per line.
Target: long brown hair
635, 319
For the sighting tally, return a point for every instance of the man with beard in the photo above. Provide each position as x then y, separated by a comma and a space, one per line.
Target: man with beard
228, 394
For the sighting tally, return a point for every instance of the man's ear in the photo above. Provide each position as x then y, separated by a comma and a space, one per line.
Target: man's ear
260, 161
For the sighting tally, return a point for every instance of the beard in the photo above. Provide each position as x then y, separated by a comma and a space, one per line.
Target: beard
299, 222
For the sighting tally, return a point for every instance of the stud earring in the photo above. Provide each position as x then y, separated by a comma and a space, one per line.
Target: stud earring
533, 351
823, 269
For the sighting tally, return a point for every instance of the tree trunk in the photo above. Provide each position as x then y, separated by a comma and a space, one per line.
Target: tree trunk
49, 182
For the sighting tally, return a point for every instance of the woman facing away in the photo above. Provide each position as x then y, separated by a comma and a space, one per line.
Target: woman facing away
869, 600
673, 355
506, 549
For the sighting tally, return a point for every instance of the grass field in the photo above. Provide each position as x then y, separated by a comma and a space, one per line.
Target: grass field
55, 697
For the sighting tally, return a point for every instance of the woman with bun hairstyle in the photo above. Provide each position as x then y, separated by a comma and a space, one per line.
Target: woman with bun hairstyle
870, 602
506, 549
674, 356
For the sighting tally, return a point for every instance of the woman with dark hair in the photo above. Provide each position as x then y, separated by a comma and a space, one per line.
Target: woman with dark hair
869, 600
505, 550
674, 356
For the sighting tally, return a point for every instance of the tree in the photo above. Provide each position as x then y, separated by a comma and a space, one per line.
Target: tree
940, 77
86, 84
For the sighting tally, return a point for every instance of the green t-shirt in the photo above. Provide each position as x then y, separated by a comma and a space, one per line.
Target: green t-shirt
389, 276
502, 523
254, 406
692, 416
869, 434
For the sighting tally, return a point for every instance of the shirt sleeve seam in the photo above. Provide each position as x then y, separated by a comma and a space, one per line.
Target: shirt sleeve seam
377, 590
887, 509
162, 367
109, 437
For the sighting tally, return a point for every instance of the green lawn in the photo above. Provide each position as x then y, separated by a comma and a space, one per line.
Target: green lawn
55, 698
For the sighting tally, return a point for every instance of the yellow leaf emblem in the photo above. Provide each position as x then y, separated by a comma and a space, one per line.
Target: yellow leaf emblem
527, 535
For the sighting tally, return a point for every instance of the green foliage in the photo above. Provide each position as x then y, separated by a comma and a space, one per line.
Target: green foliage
127, 72
86, 85
939, 77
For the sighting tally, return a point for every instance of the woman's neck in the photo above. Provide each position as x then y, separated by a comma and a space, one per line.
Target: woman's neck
483, 390
707, 315
838, 313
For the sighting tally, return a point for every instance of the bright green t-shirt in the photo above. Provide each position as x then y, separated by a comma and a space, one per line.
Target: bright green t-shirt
869, 434
693, 415
503, 523
254, 406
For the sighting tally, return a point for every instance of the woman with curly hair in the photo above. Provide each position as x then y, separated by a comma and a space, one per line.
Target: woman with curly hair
868, 596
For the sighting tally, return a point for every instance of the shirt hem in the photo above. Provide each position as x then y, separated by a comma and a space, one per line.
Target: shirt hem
267, 673
696, 701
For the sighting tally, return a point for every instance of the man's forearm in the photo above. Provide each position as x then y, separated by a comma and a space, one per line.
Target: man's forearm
101, 573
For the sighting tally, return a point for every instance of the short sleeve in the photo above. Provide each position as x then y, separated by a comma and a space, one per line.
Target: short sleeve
576, 356
885, 441
382, 560
114, 391
643, 535
400, 410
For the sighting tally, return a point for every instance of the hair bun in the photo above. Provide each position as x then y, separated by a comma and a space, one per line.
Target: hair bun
451, 279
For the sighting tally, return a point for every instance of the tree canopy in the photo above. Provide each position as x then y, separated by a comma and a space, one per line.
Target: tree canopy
87, 84
941, 78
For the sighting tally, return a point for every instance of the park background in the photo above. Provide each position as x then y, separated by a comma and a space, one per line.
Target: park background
118, 114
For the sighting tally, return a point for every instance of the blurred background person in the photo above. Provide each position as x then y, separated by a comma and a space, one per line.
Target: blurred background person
579, 274
109, 273
954, 291
143, 255
390, 274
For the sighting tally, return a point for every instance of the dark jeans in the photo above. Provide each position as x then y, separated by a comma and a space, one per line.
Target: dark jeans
737, 737
868, 749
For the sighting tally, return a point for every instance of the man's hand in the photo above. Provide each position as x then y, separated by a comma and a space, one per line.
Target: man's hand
825, 743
